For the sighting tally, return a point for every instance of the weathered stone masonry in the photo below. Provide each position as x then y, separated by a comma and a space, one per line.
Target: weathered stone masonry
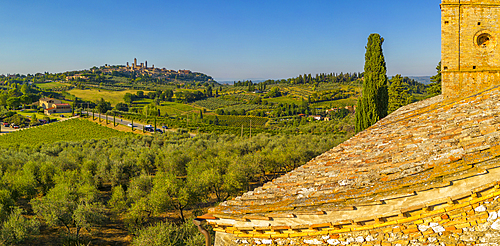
470, 54
467, 221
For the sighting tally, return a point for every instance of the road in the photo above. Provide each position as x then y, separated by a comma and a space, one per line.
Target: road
125, 122
120, 121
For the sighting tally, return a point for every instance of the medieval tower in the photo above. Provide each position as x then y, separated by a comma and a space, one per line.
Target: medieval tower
470, 54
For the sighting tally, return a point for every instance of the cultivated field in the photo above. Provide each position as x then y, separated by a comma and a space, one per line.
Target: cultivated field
113, 97
69, 130
49, 85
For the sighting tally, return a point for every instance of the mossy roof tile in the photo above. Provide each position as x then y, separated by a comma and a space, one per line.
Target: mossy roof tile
420, 146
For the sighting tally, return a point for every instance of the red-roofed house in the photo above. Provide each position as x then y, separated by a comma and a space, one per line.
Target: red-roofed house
52, 105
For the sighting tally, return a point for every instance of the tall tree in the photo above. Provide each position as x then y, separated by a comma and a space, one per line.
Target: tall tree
25, 89
34, 120
171, 192
129, 98
209, 91
399, 94
372, 106
434, 88
14, 102
72, 204
103, 106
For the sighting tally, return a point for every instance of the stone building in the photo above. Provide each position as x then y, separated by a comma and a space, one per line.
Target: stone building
51, 106
470, 54
47, 102
58, 108
427, 174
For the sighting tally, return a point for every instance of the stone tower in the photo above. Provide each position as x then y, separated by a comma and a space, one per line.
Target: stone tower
469, 52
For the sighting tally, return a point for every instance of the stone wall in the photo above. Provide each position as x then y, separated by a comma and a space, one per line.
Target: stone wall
470, 220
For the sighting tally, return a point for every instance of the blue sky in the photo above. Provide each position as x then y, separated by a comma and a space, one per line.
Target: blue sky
228, 40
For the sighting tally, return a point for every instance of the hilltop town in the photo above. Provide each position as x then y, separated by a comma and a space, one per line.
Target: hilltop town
116, 76
138, 70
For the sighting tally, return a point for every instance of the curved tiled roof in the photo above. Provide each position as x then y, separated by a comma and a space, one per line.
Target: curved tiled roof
426, 153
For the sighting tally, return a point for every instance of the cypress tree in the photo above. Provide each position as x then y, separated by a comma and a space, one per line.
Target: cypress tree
372, 106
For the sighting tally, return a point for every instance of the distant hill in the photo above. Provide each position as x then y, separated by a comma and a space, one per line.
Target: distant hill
421, 79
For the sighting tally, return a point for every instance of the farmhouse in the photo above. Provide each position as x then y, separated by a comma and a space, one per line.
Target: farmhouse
51, 106
46, 102
427, 174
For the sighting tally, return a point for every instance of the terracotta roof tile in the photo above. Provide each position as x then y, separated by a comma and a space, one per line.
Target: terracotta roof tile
415, 146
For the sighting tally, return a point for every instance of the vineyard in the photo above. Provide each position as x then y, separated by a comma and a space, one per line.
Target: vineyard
246, 107
173, 108
70, 130
337, 103
238, 121
214, 103
50, 85
241, 97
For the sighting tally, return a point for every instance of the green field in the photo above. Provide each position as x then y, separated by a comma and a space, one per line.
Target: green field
49, 85
233, 120
173, 108
214, 103
113, 97
336, 103
296, 91
69, 130
285, 99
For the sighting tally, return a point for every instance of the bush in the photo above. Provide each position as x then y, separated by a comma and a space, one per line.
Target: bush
17, 228
17, 120
168, 234
118, 201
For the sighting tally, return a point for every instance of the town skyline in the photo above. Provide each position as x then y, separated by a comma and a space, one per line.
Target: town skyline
226, 40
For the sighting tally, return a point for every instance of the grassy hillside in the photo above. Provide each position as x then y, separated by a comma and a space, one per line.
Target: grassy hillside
93, 95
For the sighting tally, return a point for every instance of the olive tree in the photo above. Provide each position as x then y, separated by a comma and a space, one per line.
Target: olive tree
71, 204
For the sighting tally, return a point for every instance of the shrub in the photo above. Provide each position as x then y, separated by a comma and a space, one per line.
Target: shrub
168, 234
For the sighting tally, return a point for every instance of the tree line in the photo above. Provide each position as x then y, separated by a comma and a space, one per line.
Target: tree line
303, 79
